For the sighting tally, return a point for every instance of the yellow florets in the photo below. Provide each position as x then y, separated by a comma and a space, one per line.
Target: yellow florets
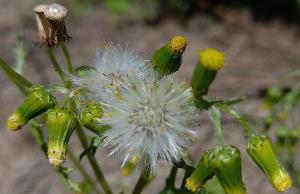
56, 157
178, 44
13, 122
211, 59
281, 181
192, 185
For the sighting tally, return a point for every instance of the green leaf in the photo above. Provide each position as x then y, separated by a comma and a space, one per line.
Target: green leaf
92, 147
22, 83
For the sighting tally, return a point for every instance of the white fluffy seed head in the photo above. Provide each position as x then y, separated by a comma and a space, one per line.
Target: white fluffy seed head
149, 117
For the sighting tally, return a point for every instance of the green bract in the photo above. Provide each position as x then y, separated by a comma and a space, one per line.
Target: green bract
61, 124
167, 59
37, 101
226, 164
261, 150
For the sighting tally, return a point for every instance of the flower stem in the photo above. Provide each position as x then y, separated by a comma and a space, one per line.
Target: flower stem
93, 162
247, 130
55, 64
143, 181
214, 115
67, 56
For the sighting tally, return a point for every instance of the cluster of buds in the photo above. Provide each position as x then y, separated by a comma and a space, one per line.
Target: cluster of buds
224, 162
51, 25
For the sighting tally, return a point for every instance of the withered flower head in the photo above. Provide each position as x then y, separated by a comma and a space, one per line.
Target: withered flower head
51, 25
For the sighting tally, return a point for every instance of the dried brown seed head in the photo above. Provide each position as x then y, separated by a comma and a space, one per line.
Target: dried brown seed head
51, 25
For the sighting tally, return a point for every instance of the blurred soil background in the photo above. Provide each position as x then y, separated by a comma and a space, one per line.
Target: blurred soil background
261, 39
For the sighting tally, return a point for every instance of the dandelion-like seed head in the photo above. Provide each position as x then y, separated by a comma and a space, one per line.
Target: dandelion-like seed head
148, 117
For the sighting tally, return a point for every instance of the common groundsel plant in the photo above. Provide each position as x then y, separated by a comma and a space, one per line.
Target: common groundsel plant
136, 108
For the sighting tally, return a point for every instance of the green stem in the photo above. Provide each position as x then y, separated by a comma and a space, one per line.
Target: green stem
247, 130
93, 162
143, 181
38, 136
55, 64
82, 170
67, 56
170, 181
22, 83
215, 117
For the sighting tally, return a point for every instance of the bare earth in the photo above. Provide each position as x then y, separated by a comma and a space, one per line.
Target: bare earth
258, 55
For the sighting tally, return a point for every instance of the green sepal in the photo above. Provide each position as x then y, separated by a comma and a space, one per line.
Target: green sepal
202, 173
226, 164
260, 149
89, 114
165, 62
37, 101
61, 124
201, 80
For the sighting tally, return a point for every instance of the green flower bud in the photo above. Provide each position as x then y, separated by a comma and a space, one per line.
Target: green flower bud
201, 174
130, 165
36, 102
226, 164
89, 118
261, 150
61, 124
274, 94
281, 135
210, 61
168, 58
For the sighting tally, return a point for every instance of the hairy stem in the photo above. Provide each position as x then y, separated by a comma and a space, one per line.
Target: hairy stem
247, 130
214, 115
